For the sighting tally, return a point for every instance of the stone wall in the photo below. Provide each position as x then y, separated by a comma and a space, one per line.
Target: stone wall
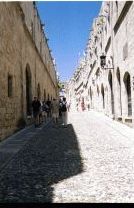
112, 86
18, 54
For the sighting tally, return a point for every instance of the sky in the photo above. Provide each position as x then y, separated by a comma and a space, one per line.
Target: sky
67, 26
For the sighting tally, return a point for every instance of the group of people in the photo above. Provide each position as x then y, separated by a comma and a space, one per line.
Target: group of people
54, 109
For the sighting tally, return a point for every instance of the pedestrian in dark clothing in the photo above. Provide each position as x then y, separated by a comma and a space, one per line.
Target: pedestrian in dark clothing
64, 112
60, 105
36, 110
41, 113
48, 102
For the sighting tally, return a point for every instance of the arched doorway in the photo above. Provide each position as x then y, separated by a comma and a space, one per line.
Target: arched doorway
38, 92
106, 101
48, 96
90, 95
103, 99
97, 98
44, 95
111, 90
28, 91
119, 92
98, 91
128, 93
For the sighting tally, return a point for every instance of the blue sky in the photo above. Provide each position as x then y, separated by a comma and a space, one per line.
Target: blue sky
67, 26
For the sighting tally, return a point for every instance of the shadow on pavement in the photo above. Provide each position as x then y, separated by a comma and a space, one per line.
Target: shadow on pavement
51, 156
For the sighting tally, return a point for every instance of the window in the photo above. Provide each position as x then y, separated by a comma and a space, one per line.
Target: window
41, 47
10, 86
101, 45
116, 6
106, 29
108, 18
95, 39
95, 51
32, 30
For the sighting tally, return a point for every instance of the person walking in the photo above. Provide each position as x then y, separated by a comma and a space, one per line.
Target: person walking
55, 110
44, 108
48, 102
41, 113
36, 110
64, 112
60, 105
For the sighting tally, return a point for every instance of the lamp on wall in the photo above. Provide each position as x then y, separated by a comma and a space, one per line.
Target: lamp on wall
103, 62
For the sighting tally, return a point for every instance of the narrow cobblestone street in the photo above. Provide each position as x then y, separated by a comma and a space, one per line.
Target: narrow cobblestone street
92, 160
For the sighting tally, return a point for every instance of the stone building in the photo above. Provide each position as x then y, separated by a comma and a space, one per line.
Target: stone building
26, 64
109, 62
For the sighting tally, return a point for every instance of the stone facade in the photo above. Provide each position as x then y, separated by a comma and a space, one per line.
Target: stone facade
26, 65
109, 88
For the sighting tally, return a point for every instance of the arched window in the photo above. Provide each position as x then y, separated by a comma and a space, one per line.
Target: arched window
119, 90
116, 8
98, 90
103, 95
90, 93
32, 29
108, 8
116, 2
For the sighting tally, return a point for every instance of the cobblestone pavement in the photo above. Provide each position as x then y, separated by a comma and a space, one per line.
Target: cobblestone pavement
49, 156
92, 160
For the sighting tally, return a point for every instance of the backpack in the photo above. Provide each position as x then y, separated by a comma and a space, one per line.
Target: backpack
63, 107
